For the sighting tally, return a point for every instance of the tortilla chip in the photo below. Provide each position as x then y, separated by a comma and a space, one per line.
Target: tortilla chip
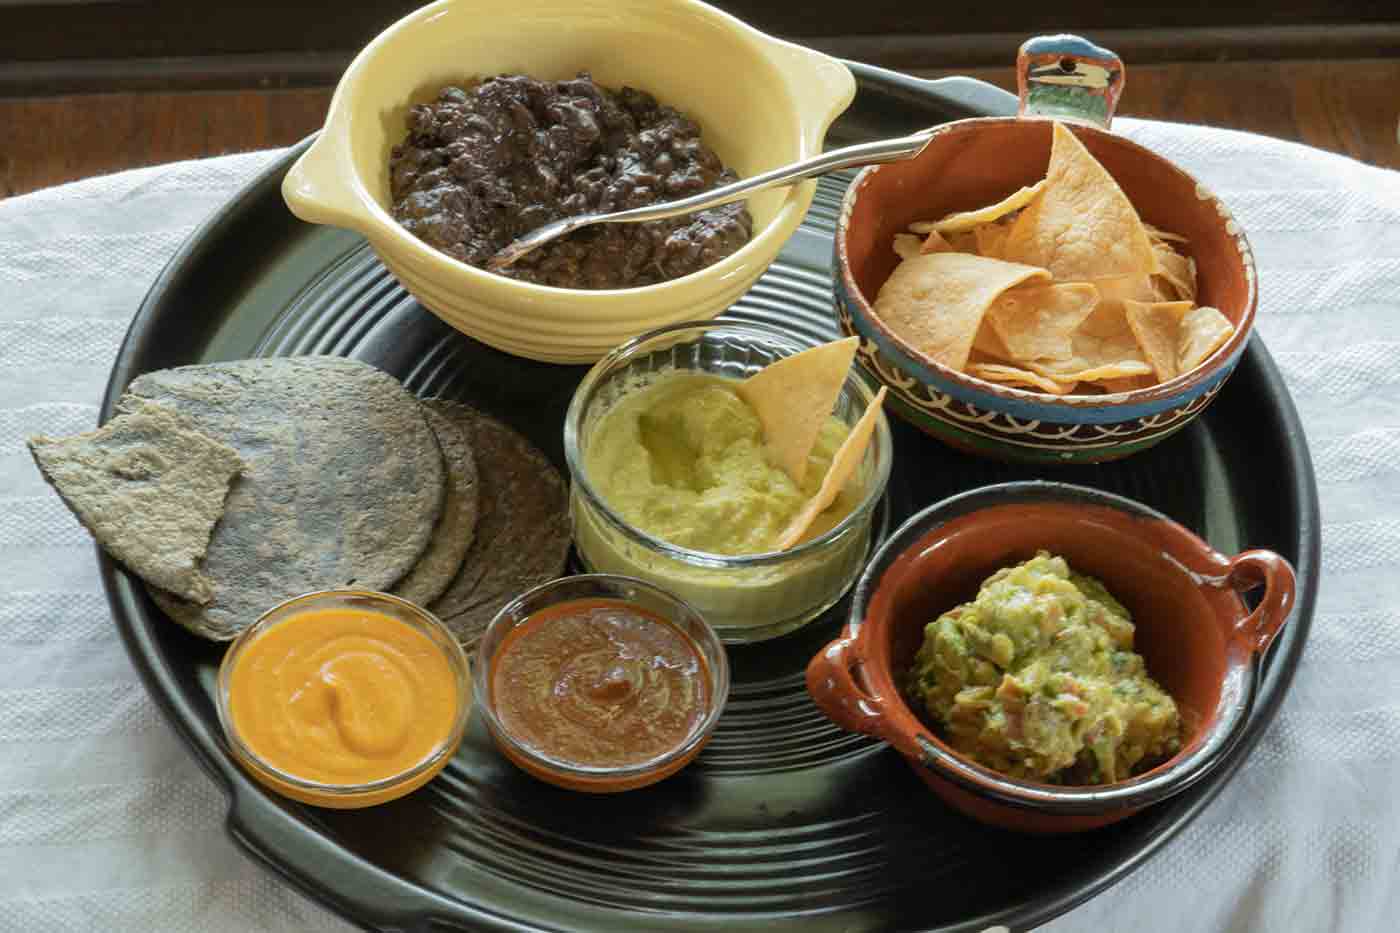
1157, 327
1097, 358
843, 466
793, 397
1011, 375
1162, 290
1203, 330
150, 488
969, 220
907, 246
934, 243
935, 302
1037, 322
987, 343
1128, 383
1115, 370
1178, 271
1120, 287
1165, 236
1107, 319
963, 242
1082, 227
991, 239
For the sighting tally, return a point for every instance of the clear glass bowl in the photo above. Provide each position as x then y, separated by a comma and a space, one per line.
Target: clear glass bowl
625, 590
746, 598
348, 796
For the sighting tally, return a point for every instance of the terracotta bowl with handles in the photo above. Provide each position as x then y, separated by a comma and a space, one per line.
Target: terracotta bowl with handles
1200, 639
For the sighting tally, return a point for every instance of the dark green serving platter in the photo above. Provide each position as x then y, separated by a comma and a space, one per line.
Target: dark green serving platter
785, 822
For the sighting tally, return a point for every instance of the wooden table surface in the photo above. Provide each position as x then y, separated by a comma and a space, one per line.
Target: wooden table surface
1347, 106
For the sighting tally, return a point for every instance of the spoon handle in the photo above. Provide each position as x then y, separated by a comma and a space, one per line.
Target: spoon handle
885, 150
873, 153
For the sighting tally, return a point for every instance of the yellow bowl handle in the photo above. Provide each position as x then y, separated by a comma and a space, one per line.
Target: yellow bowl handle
319, 187
822, 88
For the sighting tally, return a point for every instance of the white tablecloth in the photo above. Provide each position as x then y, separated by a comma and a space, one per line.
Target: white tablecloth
106, 823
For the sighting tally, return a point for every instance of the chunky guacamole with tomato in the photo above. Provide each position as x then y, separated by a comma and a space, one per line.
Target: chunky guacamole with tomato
1037, 678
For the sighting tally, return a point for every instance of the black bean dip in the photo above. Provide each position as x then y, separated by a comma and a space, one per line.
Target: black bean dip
486, 163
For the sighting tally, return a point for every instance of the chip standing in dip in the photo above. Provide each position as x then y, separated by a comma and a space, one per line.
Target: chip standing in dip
682, 457
737, 475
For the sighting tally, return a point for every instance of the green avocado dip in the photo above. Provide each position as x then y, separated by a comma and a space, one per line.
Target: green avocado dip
1037, 678
681, 457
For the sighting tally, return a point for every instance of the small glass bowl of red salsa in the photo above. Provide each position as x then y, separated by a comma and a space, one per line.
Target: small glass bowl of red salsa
600, 683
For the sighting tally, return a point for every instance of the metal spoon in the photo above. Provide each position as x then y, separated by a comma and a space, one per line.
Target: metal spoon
874, 153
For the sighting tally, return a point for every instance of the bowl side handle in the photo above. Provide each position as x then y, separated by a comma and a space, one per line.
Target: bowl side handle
822, 88
320, 188
1248, 570
1067, 77
833, 687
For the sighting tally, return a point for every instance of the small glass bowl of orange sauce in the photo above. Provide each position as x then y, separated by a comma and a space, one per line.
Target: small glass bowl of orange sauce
344, 698
600, 683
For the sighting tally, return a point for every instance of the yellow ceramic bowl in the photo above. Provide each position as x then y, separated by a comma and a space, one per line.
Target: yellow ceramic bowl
760, 103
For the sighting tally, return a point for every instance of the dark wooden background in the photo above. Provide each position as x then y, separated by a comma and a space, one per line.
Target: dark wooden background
294, 41
90, 86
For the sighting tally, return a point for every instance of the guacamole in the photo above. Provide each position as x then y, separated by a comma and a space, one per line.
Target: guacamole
682, 458
1037, 678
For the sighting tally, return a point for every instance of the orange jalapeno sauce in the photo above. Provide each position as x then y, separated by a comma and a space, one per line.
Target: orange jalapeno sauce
343, 696
599, 683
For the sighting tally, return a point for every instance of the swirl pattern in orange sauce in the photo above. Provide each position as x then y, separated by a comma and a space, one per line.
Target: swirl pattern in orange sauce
342, 696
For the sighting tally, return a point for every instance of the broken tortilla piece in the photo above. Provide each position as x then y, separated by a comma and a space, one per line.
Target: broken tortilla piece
906, 245
150, 488
343, 481
1178, 271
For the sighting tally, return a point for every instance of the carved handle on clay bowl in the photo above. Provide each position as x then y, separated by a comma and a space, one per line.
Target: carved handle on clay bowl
1250, 569
1068, 78
833, 685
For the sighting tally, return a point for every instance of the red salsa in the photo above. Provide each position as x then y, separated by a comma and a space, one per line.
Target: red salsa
599, 683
